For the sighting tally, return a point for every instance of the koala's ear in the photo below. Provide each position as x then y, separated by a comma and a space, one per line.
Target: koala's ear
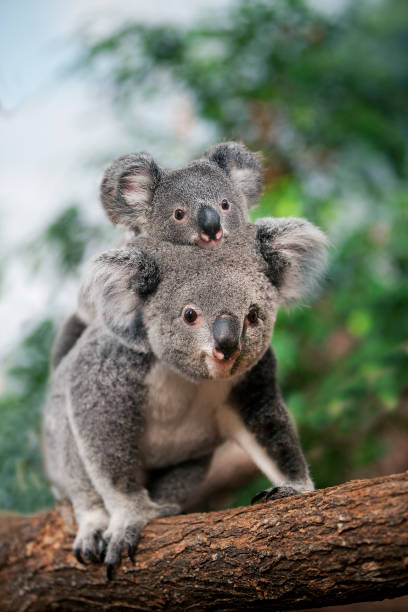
296, 254
115, 287
242, 166
127, 189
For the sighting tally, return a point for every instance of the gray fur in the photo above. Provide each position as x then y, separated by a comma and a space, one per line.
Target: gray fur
134, 417
137, 194
243, 167
67, 335
127, 189
294, 250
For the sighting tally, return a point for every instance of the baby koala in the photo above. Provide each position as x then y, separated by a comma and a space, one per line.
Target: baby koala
175, 362
200, 204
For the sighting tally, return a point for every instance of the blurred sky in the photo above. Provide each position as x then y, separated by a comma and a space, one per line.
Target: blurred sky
52, 126
48, 122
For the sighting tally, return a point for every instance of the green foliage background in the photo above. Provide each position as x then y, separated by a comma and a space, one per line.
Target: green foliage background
325, 99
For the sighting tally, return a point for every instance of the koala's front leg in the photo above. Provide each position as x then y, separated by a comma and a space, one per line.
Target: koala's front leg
258, 420
106, 420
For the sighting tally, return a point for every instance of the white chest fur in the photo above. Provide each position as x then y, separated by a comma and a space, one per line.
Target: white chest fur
181, 419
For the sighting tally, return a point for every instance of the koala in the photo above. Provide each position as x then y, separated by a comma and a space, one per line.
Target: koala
200, 205
177, 361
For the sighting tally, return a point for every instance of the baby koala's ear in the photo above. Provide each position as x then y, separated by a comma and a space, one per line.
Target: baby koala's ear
295, 251
115, 287
242, 166
127, 189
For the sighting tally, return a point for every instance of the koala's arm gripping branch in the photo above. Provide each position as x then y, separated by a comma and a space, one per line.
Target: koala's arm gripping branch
344, 544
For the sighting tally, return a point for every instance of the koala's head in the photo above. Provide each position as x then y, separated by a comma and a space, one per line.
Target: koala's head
199, 204
210, 314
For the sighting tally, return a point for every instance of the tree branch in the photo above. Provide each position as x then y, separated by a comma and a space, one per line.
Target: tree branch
338, 545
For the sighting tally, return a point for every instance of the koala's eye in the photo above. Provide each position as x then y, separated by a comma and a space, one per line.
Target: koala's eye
190, 315
225, 205
252, 316
179, 214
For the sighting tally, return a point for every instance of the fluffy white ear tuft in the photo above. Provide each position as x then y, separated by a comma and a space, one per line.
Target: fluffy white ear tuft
114, 288
242, 166
127, 189
136, 187
295, 251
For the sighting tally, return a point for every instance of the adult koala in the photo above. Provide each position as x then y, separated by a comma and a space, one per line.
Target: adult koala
200, 204
176, 361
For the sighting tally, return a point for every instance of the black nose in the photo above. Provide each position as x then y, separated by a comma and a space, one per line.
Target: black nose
209, 222
226, 335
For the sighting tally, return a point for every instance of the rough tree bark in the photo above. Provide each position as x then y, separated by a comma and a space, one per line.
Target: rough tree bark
339, 545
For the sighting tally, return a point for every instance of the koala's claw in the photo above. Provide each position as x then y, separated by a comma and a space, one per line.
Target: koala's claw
273, 493
89, 544
131, 550
78, 556
110, 568
91, 549
100, 546
112, 561
128, 540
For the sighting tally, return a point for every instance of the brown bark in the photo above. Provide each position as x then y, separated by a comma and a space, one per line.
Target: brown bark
343, 544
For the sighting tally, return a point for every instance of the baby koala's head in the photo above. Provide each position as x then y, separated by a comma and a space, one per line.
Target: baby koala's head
199, 204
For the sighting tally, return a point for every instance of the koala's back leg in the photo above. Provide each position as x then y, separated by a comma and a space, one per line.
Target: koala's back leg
68, 476
69, 332
180, 483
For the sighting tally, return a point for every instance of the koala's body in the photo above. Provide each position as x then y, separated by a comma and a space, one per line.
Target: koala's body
200, 205
176, 362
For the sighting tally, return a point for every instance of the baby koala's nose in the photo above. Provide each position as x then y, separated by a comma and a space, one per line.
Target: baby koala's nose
226, 337
209, 223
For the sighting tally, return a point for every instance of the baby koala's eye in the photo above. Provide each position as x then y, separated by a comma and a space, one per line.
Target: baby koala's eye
252, 315
225, 205
179, 214
190, 315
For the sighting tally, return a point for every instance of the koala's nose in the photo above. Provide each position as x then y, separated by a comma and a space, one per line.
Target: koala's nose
209, 222
226, 336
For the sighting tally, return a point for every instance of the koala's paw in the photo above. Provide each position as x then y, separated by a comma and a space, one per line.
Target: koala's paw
124, 533
123, 538
89, 544
274, 493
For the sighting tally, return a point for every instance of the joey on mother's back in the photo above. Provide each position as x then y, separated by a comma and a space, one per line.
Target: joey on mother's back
200, 204
176, 362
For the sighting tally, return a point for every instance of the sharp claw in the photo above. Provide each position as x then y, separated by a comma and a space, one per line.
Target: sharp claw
131, 553
102, 552
79, 557
109, 571
100, 547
